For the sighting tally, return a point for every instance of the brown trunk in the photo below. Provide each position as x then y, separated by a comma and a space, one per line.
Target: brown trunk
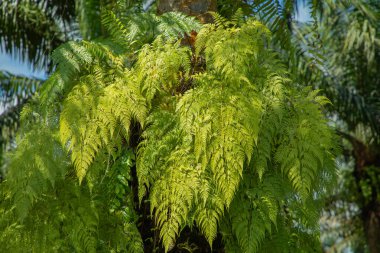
197, 8
367, 158
371, 220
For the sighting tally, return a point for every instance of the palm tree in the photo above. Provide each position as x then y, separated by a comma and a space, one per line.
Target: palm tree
31, 29
348, 74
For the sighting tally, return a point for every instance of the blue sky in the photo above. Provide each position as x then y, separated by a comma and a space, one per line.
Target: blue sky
15, 66
303, 14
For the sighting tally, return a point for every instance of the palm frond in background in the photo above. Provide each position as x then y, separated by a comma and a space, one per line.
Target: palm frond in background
31, 29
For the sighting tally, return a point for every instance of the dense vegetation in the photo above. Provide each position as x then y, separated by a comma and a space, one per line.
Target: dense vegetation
225, 144
158, 133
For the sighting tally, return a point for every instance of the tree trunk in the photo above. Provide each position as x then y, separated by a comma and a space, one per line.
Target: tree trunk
197, 8
371, 220
367, 158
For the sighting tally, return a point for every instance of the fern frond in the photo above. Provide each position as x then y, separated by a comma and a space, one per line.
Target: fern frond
172, 195
159, 65
70, 58
302, 163
175, 24
40, 147
134, 31
116, 28
210, 208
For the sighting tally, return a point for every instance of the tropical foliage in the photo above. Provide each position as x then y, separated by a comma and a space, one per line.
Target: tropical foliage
349, 32
14, 93
169, 128
29, 31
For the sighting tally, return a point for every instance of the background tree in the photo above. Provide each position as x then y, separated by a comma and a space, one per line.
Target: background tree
349, 33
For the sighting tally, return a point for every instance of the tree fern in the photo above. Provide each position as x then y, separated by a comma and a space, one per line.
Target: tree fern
220, 131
